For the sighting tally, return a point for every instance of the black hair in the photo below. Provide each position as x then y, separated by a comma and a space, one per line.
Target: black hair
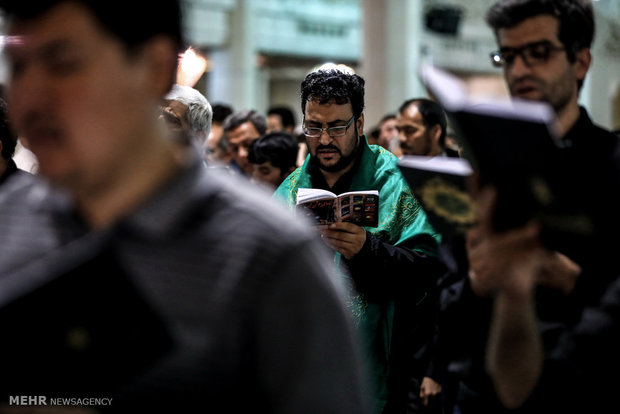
285, 114
326, 85
133, 24
220, 112
387, 117
374, 133
432, 114
575, 17
234, 120
7, 135
279, 148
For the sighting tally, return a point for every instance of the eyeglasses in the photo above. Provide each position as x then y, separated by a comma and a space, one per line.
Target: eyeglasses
532, 54
333, 132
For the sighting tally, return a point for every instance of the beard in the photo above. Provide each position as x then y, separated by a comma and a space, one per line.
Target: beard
343, 162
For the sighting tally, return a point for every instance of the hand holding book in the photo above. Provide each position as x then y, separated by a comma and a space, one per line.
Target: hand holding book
324, 207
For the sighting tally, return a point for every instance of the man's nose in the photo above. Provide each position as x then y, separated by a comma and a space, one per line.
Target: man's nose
401, 137
324, 138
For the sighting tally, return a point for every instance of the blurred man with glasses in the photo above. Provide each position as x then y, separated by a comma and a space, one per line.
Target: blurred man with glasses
532, 304
391, 268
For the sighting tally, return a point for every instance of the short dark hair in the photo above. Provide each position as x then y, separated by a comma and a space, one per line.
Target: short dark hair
279, 148
7, 135
285, 114
234, 120
131, 25
386, 118
575, 17
432, 114
220, 112
326, 85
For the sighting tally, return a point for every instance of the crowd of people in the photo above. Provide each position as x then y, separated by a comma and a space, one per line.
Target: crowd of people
155, 257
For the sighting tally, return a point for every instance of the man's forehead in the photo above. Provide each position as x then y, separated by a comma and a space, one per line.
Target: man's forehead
313, 107
534, 29
176, 105
410, 112
67, 21
319, 101
244, 131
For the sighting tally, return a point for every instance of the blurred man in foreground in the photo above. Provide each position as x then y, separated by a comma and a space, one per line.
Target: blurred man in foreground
129, 271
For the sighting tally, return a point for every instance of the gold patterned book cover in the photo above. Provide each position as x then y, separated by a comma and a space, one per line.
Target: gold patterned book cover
441, 186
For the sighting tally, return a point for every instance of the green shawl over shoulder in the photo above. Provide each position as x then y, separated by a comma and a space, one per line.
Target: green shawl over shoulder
400, 219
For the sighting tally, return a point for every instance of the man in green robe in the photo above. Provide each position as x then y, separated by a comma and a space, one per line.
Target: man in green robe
392, 269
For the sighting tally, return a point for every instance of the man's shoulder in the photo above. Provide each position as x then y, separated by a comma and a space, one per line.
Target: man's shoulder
287, 190
20, 190
235, 199
385, 165
26, 225
591, 130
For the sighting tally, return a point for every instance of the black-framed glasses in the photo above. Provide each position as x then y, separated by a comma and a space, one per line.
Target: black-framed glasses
535, 53
333, 132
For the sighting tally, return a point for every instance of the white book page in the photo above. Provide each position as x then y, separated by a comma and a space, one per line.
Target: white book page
372, 192
455, 166
309, 194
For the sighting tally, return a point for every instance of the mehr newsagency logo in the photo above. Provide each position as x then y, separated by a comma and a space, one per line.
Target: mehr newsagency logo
42, 400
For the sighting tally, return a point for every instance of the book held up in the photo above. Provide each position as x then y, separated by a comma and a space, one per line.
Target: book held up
441, 185
325, 207
513, 145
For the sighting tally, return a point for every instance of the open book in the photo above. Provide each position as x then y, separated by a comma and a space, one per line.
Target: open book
512, 146
324, 207
441, 185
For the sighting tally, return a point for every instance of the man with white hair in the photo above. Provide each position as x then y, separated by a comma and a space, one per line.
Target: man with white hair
189, 112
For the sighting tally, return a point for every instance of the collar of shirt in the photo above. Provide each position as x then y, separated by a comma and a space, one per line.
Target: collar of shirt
163, 213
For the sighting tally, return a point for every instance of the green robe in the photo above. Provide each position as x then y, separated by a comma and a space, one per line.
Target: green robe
401, 218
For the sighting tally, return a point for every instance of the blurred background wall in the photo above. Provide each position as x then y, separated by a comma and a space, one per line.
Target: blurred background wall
257, 52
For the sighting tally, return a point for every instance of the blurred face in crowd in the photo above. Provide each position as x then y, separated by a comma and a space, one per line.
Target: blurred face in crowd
240, 140
334, 154
84, 105
552, 79
387, 131
414, 137
268, 175
274, 123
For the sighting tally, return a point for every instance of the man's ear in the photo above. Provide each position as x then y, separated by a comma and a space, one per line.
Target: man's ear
360, 125
161, 60
435, 133
583, 58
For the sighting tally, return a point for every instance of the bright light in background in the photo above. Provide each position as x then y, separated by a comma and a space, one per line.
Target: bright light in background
191, 67
10, 40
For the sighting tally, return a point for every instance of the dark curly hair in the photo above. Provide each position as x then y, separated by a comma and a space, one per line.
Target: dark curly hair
576, 19
279, 148
327, 85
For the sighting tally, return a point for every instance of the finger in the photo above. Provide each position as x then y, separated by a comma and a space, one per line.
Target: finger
346, 227
337, 236
485, 205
